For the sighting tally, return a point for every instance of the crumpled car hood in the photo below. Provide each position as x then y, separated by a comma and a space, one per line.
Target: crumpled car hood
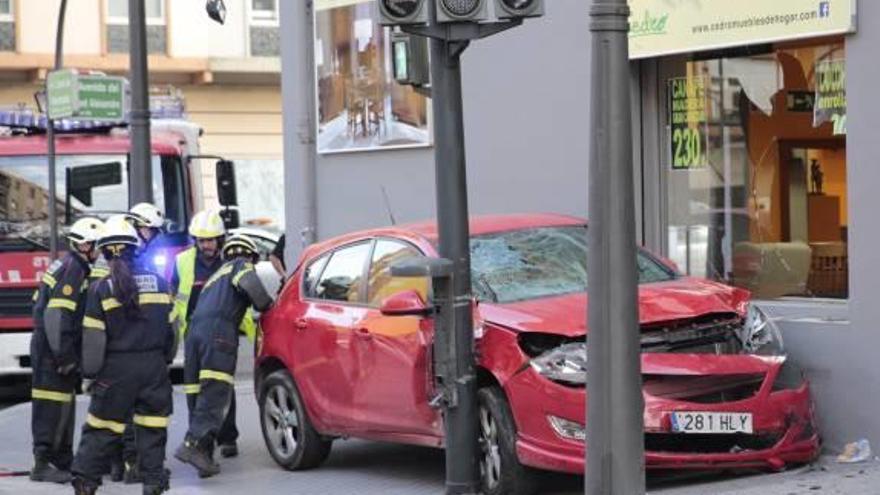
680, 299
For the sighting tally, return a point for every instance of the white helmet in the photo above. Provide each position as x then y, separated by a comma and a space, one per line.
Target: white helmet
146, 215
207, 224
85, 230
118, 230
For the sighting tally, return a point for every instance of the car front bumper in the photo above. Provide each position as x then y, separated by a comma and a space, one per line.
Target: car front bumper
784, 428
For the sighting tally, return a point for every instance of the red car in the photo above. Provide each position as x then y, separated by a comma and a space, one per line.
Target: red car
335, 361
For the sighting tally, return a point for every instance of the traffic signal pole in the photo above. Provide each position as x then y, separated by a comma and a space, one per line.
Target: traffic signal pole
50, 140
615, 407
462, 466
141, 172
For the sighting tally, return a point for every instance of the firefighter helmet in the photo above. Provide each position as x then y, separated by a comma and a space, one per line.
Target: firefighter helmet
146, 215
85, 230
239, 245
207, 224
118, 232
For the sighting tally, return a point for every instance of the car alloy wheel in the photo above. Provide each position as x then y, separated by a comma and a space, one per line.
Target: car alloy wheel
289, 435
490, 464
501, 471
281, 420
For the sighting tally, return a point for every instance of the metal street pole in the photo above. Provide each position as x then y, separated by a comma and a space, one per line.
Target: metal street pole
615, 408
50, 138
141, 173
300, 154
462, 461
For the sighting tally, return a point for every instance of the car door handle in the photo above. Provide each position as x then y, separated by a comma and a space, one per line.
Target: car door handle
301, 324
363, 333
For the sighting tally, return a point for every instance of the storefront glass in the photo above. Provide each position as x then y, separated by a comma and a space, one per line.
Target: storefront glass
755, 153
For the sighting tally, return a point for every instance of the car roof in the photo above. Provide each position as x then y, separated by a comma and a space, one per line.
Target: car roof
426, 231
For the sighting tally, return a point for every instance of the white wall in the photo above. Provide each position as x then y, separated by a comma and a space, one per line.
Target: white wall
193, 34
39, 19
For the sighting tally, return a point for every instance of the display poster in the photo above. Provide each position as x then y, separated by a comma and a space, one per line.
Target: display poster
688, 122
830, 104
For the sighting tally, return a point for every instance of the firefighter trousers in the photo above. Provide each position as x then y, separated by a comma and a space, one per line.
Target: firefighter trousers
210, 354
130, 385
53, 413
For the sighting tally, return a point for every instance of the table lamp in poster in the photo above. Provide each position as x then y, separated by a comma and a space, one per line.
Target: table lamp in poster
688, 122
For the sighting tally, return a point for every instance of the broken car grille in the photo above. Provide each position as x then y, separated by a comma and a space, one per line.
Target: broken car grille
708, 444
703, 389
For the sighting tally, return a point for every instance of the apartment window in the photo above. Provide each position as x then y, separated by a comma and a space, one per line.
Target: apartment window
118, 31
264, 10
7, 26
265, 37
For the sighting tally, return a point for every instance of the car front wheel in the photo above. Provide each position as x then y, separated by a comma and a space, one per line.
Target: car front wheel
502, 473
289, 435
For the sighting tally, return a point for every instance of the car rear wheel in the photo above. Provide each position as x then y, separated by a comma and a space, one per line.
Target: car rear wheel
501, 471
289, 435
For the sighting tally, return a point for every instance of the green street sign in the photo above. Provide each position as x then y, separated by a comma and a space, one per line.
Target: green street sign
86, 97
61, 93
101, 98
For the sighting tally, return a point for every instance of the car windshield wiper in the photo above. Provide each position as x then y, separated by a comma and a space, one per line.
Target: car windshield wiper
486, 285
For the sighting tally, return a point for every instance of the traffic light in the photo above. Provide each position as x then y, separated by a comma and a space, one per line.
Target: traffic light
410, 59
400, 12
510, 9
462, 10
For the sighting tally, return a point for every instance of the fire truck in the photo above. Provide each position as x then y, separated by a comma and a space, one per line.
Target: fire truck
92, 178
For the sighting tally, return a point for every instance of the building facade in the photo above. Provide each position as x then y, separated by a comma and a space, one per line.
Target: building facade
229, 75
748, 168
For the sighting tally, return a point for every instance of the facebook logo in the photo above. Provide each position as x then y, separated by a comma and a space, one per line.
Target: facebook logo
824, 9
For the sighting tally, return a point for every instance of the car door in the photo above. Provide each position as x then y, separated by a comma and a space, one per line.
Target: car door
395, 385
325, 364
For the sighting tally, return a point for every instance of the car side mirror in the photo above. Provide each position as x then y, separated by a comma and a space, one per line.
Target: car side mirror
406, 303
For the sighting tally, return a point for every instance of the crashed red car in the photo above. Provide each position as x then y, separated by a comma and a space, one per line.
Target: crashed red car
335, 361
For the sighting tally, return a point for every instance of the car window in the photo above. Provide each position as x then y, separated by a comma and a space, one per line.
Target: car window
343, 276
381, 283
310, 276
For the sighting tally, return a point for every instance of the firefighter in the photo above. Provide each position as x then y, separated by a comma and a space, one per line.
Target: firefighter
59, 303
211, 348
192, 269
149, 222
128, 342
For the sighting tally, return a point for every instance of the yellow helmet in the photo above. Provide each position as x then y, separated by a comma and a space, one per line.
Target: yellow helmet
239, 244
207, 224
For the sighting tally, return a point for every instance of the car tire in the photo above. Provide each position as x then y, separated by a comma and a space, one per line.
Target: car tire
287, 430
500, 469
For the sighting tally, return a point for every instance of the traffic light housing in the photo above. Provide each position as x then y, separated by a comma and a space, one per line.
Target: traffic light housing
513, 9
462, 10
410, 59
401, 12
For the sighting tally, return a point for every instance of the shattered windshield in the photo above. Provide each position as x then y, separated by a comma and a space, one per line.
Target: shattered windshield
86, 185
540, 262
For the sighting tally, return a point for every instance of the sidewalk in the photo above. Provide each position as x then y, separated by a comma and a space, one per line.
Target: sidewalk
367, 468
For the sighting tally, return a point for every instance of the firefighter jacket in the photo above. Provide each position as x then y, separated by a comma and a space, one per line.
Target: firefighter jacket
59, 304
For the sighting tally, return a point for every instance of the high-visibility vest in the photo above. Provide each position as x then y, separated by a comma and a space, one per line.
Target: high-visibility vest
185, 264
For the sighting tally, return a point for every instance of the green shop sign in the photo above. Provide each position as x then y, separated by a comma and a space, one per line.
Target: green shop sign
830, 103
688, 122
86, 97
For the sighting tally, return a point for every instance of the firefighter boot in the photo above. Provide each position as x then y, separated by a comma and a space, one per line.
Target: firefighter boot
159, 488
195, 454
44, 471
84, 487
117, 471
132, 473
228, 450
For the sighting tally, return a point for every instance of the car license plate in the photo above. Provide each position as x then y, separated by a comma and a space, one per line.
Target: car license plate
711, 422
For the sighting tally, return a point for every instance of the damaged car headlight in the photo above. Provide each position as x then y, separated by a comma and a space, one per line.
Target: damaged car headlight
760, 335
566, 364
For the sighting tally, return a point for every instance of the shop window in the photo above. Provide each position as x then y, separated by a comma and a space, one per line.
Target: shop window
118, 31
756, 160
